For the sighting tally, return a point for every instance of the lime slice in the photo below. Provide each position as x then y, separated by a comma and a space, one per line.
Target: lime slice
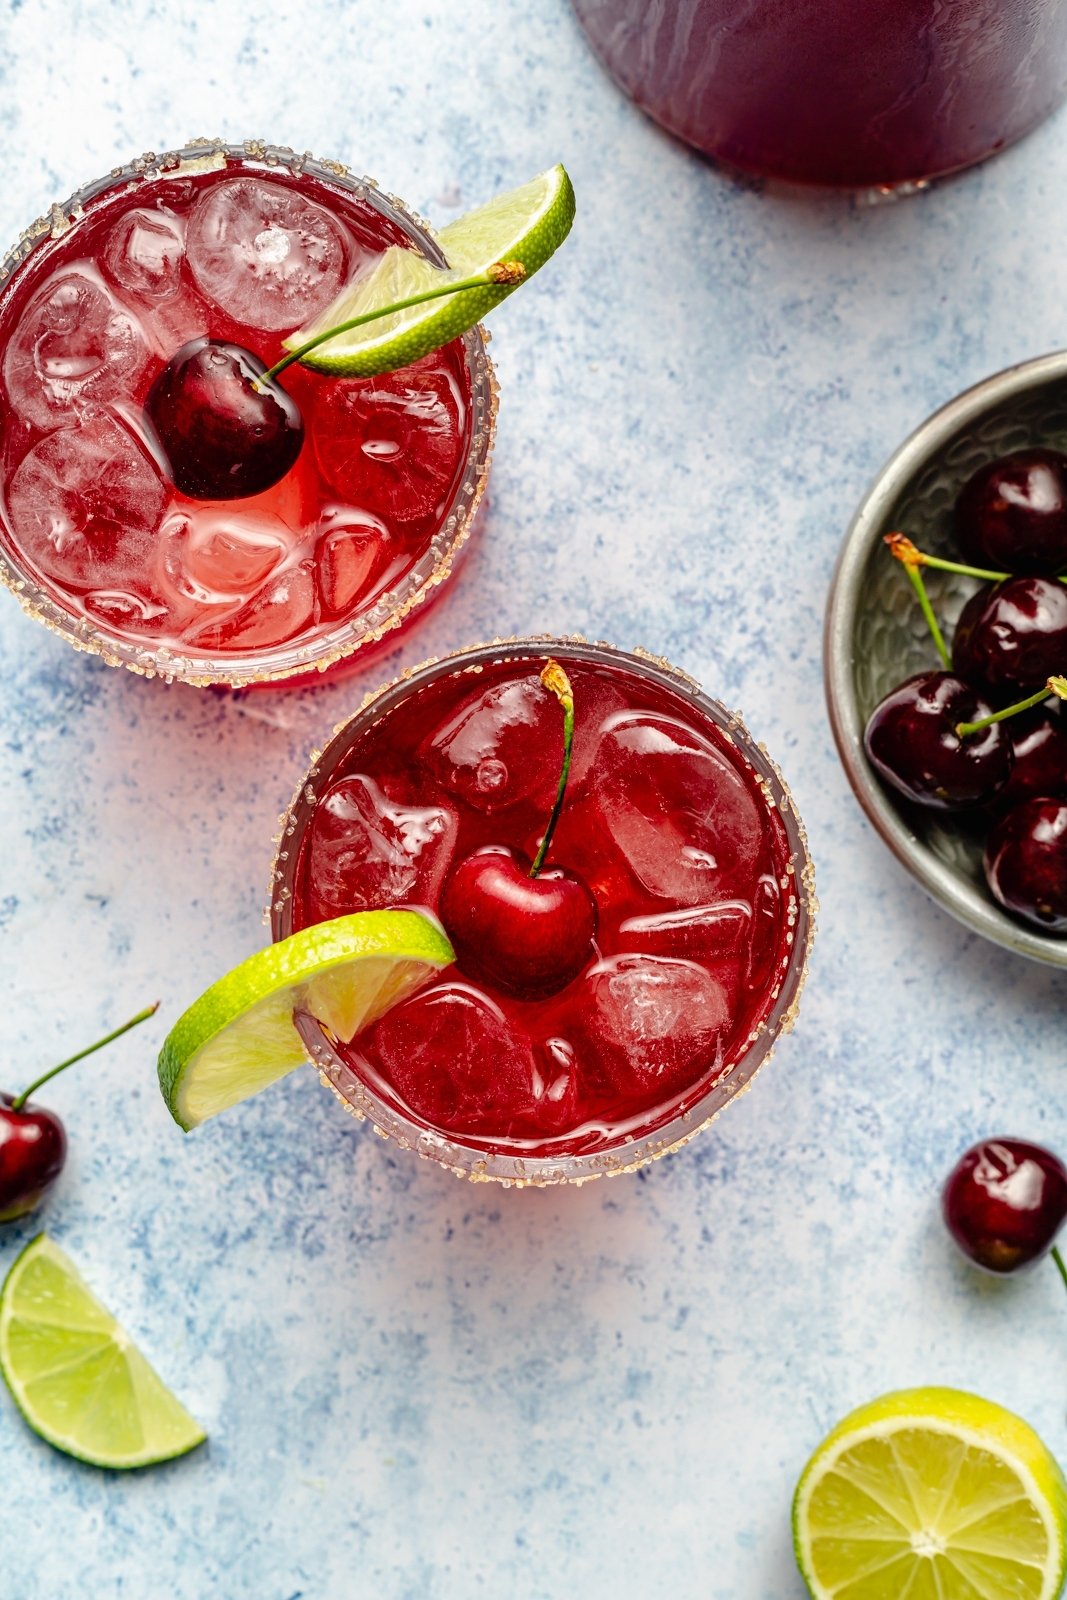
239, 1036
74, 1374
932, 1494
527, 225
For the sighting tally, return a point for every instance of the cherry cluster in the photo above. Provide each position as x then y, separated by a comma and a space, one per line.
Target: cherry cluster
985, 734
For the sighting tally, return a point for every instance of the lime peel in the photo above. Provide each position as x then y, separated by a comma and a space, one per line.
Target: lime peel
239, 1036
76, 1376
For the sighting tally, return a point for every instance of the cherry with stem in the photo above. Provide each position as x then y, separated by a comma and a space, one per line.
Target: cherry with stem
33, 1141
516, 924
227, 427
914, 737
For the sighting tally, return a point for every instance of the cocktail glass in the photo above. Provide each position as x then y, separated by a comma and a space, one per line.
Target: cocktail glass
866, 96
675, 818
244, 243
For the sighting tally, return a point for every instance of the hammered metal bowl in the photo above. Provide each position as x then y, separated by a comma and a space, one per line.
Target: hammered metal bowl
875, 634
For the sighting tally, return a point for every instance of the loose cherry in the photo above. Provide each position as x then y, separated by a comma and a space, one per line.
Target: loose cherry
1013, 513
1013, 635
912, 740
226, 427
1004, 1202
1026, 863
33, 1143
524, 930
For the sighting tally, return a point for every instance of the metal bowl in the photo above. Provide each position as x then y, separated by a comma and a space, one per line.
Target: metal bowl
875, 634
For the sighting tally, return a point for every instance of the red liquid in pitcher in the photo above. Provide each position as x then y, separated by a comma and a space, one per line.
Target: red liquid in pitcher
664, 821
244, 254
845, 92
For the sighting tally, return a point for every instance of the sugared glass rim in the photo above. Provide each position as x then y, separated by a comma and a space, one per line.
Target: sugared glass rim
471, 1160
291, 660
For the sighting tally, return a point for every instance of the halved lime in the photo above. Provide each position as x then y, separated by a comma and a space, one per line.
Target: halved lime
932, 1494
526, 225
239, 1036
74, 1374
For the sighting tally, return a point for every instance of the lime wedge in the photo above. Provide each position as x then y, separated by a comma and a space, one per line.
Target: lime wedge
239, 1036
936, 1495
74, 1374
526, 225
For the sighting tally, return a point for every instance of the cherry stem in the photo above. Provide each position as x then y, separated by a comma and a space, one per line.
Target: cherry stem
1059, 1263
1058, 1259
502, 274
1056, 686
919, 586
553, 677
142, 1016
911, 556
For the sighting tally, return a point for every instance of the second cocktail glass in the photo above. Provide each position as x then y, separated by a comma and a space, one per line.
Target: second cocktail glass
675, 820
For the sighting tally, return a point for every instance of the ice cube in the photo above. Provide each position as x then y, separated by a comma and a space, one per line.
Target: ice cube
74, 346
280, 608
265, 254
391, 445
126, 611
682, 815
351, 560
650, 1025
503, 744
711, 931
215, 555
452, 1055
367, 851
767, 945
85, 504
143, 253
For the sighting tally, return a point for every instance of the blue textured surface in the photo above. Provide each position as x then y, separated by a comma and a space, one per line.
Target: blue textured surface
415, 1388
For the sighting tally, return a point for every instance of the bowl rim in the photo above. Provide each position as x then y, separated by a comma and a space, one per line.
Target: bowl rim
967, 904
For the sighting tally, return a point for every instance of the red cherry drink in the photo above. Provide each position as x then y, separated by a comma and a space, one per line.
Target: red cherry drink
855, 93
95, 533
675, 825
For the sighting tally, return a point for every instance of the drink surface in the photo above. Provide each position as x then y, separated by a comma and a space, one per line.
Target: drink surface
244, 254
845, 92
664, 821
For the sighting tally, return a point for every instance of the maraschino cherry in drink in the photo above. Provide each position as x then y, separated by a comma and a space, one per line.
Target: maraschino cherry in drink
610, 993
180, 564
855, 93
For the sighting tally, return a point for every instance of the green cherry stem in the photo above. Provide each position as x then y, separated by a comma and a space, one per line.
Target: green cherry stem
912, 559
502, 274
911, 556
1058, 1259
142, 1016
553, 677
1056, 686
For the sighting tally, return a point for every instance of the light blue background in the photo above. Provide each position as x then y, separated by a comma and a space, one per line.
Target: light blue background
418, 1389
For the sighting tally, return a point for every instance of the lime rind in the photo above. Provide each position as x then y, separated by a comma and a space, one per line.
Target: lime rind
75, 1375
939, 1473
239, 1036
526, 225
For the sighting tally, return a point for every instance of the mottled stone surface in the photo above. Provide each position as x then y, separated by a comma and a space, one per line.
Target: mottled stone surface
417, 1389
